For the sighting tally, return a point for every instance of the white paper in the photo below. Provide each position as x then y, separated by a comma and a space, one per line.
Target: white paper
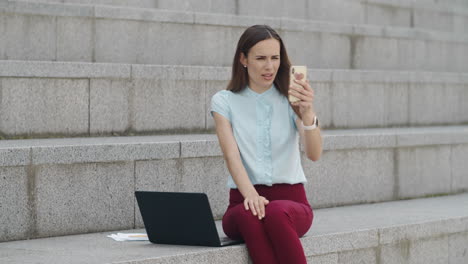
129, 237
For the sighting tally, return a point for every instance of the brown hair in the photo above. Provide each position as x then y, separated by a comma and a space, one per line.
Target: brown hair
249, 38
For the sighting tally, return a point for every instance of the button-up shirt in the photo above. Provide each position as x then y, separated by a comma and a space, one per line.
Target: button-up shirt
266, 134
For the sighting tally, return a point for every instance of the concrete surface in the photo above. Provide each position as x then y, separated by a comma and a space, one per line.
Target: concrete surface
130, 35
357, 166
338, 235
43, 99
418, 14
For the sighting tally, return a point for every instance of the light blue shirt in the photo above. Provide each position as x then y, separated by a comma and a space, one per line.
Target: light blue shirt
265, 131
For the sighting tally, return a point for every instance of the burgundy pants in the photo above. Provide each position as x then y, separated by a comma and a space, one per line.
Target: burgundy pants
275, 238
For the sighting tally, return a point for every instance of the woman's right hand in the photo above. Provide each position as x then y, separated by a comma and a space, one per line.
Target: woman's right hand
256, 204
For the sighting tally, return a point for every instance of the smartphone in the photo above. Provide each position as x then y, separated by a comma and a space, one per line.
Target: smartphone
297, 73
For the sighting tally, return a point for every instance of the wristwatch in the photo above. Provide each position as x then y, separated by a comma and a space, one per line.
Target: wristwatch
313, 126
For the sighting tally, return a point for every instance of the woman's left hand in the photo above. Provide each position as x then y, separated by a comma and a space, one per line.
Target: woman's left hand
306, 96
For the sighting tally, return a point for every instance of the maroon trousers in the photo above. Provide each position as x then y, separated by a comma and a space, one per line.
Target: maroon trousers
275, 238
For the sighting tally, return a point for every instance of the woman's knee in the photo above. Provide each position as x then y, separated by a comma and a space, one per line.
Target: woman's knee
276, 213
240, 217
284, 213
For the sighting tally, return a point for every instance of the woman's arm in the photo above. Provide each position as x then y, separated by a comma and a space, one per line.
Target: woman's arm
252, 200
311, 139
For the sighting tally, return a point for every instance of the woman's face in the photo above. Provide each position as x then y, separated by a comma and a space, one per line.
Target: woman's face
262, 64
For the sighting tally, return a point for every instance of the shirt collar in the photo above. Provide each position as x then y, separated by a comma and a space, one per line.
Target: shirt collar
252, 93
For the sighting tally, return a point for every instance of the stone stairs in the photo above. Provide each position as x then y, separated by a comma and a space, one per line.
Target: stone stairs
59, 32
102, 98
392, 232
450, 16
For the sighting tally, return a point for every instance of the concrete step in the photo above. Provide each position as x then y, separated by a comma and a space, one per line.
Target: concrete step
50, 99
55, 187
59, 32
431, 230
435, 15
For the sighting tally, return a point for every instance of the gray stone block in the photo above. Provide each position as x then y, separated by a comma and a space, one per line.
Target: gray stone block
109, 106
171, 72
212, 87
302, 47
14, 156
458, 248
149, 47
433, 250
242, 22
175, 52
83, 198
348, 108
396, 104
156, 175
180, 105
330, 11
351, 176
105, 152
211, 46
323, 259
14, 204
358, 256
164, 72
223, 6
50, 9
422, 226
373, 51
331, 242
63, 69
461, 93
386, 15
320, 76
394, 253
459, 24
463, 56
115, 40
122, 13
44, 106
74, 39
30, 37
358, 139
434, 20
133, 3
296, 9
215, 73
3, 39
423, 171
323, 102
208, 147
207, 175
433, 103
437, 55
407, 137
411, 54
249, 8
184, 5
459, 168
335, 52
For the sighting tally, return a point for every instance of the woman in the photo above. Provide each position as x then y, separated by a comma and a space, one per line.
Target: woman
258, 130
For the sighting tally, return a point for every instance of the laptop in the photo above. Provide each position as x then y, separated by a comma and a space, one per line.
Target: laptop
180, 219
